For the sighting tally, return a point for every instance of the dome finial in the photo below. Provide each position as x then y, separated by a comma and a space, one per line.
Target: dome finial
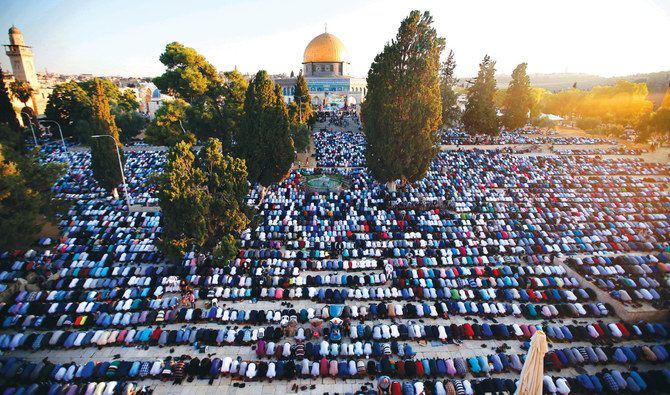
326, 27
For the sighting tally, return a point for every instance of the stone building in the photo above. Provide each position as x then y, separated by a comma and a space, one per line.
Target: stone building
23, 69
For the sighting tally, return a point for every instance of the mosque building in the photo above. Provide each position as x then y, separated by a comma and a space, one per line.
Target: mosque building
326, 67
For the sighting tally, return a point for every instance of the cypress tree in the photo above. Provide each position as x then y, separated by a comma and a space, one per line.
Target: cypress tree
104, 160
480, 112
403, 109
450, 113
517, 99
264, 139
301, 105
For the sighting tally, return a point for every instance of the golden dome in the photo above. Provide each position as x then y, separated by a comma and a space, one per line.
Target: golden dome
325, 48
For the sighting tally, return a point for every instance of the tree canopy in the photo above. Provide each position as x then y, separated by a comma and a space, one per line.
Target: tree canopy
25, 193
403, 109
624, 103
21, 91
450, 112
300, 136
214, 104
128, 102
130, 124
302, 103
69, 104
104, 159
480, 114
7, 113
264, 138
167, 128
518, 99
202, 200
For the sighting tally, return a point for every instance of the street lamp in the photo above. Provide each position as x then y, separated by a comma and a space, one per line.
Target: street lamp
61, 137
33, 130
300, 105
59, 131
118, 155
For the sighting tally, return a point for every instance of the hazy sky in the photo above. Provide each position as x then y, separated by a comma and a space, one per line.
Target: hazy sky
126, 37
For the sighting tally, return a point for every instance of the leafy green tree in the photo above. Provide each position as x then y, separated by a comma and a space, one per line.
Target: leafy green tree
543, 123
450, 112
302, 103
130, 124
25, 195
233, 91
403, 108
660, 121
7, 113
22, 91
264, 140
202, 200
588, 123
518, 100
536, 98
499, 97
109, 89
214, 104
480, 113
128, 102
188, 76
300, 136
625, 103
167, 128
69, 104
104, 159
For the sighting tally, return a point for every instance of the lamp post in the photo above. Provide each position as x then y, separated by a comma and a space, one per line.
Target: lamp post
300, 105
118, 156
33, 130
61, 137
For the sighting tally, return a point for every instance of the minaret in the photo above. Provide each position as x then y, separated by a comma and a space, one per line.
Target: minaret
21, 57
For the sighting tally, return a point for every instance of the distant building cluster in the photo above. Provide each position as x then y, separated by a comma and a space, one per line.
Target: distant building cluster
325, 65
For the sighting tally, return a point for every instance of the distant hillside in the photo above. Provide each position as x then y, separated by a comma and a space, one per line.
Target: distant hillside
657, 83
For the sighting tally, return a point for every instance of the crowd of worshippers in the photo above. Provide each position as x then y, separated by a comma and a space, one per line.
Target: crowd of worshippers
492, 255
336, 148
177, 369
606, 381
608, 151
80, 184
630, 279
458, 137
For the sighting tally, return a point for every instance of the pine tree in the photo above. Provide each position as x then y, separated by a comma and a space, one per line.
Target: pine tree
264, 139
517, 103
25, 194
301, 105
403, 109
104, 159
7, 113
480, 112
169, 126
450, 112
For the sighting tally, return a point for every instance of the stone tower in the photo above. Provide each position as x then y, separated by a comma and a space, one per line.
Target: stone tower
21, 57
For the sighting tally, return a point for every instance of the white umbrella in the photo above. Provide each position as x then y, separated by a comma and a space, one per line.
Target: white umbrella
336, 321
533, 369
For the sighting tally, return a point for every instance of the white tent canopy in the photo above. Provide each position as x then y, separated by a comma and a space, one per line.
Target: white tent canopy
551, 117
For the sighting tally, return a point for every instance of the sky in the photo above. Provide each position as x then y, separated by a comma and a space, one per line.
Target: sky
126, 37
